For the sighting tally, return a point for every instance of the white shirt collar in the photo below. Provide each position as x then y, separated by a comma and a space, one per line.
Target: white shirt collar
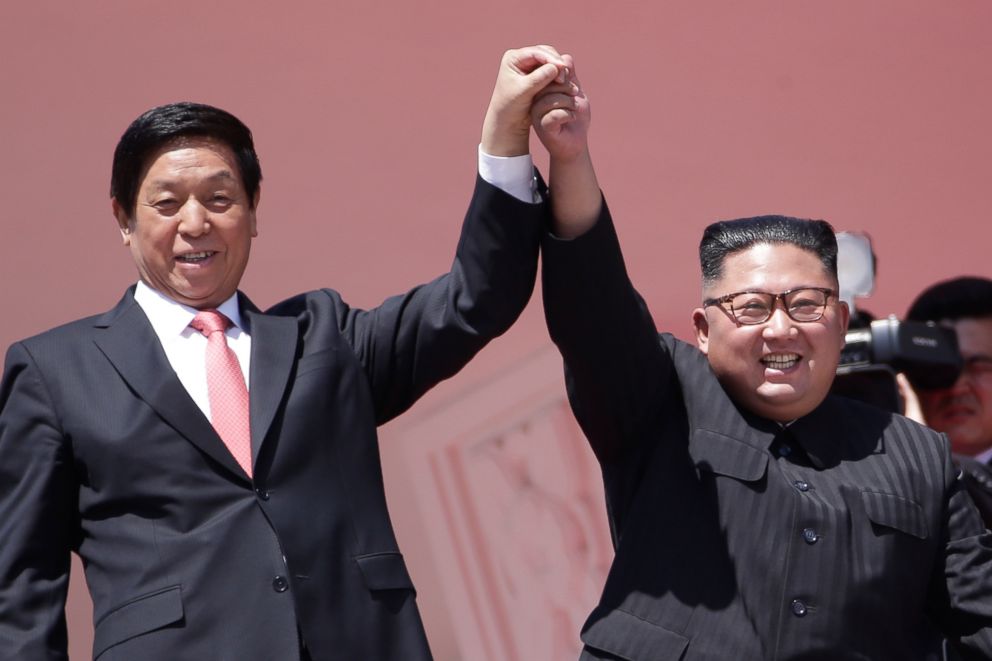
170, 318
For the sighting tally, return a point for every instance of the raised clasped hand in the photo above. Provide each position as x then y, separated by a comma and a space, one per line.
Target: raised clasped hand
524, 74
561, 114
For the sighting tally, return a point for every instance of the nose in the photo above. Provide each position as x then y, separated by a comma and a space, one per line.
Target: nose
193, 219
779, 324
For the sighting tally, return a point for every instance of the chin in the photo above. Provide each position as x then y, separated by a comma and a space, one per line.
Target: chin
784, 406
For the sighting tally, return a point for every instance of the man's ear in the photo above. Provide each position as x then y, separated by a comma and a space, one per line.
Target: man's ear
254, 210
844, 316
123, 220
702, 326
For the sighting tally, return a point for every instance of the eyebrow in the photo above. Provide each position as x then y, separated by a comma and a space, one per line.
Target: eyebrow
219, 175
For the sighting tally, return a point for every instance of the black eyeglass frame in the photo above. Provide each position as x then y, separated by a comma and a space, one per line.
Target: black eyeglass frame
728, 298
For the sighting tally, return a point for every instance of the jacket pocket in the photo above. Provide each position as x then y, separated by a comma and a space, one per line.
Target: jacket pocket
629, 637
144, 614
724, 455
384, 571
896, 512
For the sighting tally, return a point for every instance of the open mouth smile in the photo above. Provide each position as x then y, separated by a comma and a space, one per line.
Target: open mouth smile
195, 257
780, 361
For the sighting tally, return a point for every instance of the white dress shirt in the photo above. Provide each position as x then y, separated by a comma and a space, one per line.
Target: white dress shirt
186, 347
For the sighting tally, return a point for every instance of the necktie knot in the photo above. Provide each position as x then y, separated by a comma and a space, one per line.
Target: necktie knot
210, 321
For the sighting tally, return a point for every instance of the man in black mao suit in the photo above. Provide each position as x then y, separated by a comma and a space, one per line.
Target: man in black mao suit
754, 517
107, 446
963, 411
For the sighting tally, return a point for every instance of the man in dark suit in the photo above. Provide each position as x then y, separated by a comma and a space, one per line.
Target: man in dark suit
216, 467
754, 516
964, 410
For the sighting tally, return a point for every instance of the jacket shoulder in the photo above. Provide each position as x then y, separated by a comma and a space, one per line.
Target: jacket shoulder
62, 335
308, 301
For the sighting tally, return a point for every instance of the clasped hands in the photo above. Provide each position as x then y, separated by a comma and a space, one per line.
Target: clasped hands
537, 86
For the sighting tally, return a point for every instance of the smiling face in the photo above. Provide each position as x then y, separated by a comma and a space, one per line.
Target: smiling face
191, 230
780, 369
964, 411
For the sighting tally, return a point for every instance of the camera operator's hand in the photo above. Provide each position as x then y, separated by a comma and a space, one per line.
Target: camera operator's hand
911, 403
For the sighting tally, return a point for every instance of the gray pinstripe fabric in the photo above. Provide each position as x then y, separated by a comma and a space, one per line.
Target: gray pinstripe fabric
846, 536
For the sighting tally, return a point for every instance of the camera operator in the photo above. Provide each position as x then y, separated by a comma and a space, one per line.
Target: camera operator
964, 409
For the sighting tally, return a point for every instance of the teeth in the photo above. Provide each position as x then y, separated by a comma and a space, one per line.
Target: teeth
194, 256
780, 361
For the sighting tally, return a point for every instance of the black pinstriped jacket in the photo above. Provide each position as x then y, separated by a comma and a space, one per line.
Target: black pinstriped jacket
846, 536
978, 481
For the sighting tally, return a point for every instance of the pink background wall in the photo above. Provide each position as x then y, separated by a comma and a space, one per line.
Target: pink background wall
874, 116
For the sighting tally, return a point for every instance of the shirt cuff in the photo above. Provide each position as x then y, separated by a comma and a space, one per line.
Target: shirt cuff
514, 175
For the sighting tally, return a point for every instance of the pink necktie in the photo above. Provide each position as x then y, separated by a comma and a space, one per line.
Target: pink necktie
225, 387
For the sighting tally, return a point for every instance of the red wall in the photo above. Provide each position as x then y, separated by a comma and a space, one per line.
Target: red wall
874, 116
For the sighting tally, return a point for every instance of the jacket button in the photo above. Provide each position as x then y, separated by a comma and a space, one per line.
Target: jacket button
280, 584
810, 536
798, 608
262, 493
802, 485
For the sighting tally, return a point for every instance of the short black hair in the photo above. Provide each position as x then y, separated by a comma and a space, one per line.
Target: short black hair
160, 126
950, 300
726, 237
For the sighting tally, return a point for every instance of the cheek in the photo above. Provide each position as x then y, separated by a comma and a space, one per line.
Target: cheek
827, 341
733, 354
152, 242
740, 344
984, 393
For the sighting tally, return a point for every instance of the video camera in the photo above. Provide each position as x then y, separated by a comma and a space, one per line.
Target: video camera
875, 350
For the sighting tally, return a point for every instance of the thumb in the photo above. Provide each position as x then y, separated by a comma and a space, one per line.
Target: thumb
540, 78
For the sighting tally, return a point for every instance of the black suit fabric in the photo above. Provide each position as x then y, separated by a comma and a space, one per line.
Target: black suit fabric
977, 477
844, 536
104, 453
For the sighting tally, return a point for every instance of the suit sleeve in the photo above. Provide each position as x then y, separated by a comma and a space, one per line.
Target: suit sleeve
37, 516
411, 342
615, 366
960, 601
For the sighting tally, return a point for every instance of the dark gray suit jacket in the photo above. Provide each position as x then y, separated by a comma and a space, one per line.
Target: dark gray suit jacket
103, 452
977, 479
848, 536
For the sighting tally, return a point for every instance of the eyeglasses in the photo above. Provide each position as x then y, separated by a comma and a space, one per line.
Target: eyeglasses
802, 304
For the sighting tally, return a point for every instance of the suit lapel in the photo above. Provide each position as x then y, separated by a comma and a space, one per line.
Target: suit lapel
130, 344
273, 354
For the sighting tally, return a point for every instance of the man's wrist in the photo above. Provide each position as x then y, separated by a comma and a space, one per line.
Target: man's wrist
513, 175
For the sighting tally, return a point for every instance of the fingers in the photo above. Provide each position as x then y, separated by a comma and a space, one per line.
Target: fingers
554, 100
568, 89
530, 58
552, 121
541, 77
911, 403
560, 61
570, 70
